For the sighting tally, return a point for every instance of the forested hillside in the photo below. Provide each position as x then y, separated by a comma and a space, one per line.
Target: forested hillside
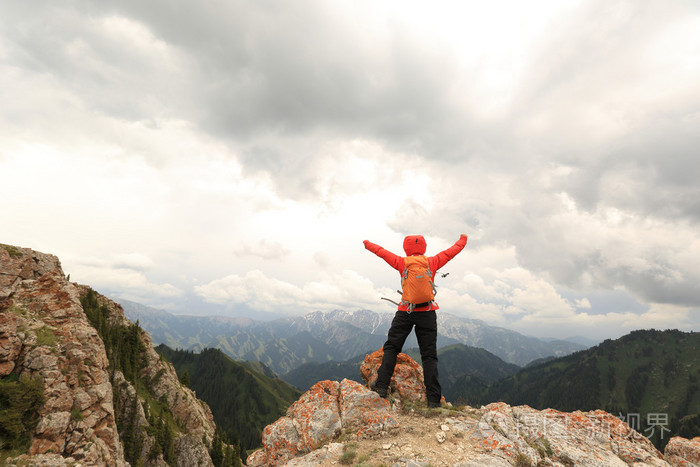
459, 366
650, 378
311, 373
127, 353
242, 400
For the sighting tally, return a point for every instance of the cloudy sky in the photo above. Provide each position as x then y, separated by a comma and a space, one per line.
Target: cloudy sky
231, 156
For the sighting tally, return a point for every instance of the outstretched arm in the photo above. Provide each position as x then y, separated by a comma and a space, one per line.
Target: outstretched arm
393, 260
443, 257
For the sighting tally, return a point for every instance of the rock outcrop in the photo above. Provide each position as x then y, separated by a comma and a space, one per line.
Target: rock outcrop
577, 438
407, 380
681, 452
324, 412
316, 431
46, 335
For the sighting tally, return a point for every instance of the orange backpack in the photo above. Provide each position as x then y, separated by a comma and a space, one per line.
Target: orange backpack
417, 283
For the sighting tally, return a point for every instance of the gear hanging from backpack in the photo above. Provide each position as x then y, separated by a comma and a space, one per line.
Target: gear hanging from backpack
418, 287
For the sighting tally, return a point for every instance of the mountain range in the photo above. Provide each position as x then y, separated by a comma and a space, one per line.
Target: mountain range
287, 343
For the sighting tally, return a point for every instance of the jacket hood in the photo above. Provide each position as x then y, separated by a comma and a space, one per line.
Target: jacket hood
414, 245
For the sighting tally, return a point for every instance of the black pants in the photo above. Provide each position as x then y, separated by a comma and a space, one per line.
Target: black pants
425, 323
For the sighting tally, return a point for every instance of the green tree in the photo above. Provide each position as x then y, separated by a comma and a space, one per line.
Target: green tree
126, 353
20, 401
224, 454
185, 378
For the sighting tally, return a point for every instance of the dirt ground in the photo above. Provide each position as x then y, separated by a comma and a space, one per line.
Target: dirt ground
425, 437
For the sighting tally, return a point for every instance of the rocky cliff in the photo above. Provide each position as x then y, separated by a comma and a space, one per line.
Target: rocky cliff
346, 423
87, 410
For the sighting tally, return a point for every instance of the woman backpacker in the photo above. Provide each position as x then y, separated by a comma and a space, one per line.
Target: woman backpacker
417, 308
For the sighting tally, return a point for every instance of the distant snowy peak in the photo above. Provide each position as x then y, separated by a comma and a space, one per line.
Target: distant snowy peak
366, 320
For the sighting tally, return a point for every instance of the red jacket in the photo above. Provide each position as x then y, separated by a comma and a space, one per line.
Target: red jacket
415, 245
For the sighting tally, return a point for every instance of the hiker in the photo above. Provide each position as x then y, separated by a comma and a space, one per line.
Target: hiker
409, 314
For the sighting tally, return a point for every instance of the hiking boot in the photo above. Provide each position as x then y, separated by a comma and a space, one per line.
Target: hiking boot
379, 390
434, 405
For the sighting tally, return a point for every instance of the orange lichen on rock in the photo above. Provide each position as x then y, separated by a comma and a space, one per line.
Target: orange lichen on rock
364, 409
683, 452
316, 415
319, 416
407, 380
280, 443
584, 438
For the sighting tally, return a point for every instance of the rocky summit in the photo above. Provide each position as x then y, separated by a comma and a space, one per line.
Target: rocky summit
86, 411
336, 423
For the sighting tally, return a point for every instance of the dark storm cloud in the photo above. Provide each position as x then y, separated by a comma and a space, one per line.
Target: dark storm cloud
62, 44
273, 69
285, 68
654, 173
601, 62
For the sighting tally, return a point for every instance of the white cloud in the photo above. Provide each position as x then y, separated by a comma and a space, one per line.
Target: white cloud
611, 324
344, 290
134, 261
264, 249
131, 261
125, 283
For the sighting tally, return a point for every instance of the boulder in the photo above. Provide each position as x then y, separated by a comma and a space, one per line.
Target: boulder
363, 412
318, 417
407, 380
681, 452
577, 438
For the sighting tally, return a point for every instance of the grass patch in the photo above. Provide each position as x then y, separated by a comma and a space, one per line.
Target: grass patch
13, 251
45, 336
18, 310
345, 435
523, 461
498, 429
76, 414
9, 454
566, 460
349, 454
541, 445
418, 408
